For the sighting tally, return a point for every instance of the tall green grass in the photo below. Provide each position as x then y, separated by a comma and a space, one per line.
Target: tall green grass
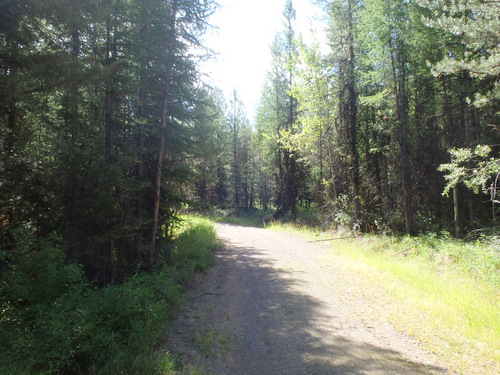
53, 321
194, 246
449, 303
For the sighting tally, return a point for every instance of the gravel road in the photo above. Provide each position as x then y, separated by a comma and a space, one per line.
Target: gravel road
274, 303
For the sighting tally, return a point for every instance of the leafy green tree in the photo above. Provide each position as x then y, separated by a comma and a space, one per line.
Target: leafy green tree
480, 175
278, 115
316, 135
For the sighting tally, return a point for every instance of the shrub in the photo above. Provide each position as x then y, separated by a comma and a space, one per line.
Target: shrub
52, 320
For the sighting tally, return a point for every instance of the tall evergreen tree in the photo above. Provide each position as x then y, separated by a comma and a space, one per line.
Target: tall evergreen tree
82, 88
343, 43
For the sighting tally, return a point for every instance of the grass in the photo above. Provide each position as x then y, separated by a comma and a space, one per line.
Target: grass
456, 314
445, 292
210, 341
194, 246
193, 252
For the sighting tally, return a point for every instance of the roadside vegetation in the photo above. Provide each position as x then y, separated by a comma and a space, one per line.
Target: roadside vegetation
54, 321
444, 291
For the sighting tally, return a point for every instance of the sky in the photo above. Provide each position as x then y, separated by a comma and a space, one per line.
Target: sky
245, 31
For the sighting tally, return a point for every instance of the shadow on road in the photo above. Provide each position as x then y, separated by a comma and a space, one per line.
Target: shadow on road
274, 328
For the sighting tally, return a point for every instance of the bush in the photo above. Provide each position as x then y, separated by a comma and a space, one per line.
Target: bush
34, 282
53, 320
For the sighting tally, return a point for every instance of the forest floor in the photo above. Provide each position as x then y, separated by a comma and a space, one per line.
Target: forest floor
275, 303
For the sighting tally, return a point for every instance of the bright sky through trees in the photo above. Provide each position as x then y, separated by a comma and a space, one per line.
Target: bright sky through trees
245, 31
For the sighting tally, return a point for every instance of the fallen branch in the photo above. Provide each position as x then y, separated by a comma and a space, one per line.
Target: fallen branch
336, 238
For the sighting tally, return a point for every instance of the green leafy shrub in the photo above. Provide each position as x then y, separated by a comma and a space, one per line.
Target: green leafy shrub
52, 320
90, 328
34, 282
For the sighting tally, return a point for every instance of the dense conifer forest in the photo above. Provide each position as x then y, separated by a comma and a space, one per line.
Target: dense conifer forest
108, 132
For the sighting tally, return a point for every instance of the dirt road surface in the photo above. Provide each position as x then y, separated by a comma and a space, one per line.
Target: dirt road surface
275, 303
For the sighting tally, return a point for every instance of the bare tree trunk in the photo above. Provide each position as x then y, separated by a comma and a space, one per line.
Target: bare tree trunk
399, 71
109, 108
468, 143
333, 176
110, 92
72, 127
73, 101
352, 115
281, 178
347, 104
236, 164
140, 134
291, 164
455, 211
161, 148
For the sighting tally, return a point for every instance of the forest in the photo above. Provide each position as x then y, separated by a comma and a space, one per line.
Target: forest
109, 132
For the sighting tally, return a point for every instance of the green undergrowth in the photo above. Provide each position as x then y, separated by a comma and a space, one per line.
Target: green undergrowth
52, 321
194, 246
447, 291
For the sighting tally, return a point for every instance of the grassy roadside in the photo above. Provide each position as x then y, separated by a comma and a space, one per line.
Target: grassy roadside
68, 326
445, 292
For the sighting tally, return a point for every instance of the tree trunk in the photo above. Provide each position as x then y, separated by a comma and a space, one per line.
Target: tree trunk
399, 72
468, 143
352, 115
161, 147
290, 155
110, 97
348, 111
140, 132
280, 177
236, 166
109, 117
71, 123
455, 211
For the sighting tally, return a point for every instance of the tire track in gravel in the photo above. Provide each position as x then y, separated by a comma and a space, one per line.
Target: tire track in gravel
274, 303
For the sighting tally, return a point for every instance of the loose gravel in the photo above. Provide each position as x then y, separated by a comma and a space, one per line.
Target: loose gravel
274, 303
